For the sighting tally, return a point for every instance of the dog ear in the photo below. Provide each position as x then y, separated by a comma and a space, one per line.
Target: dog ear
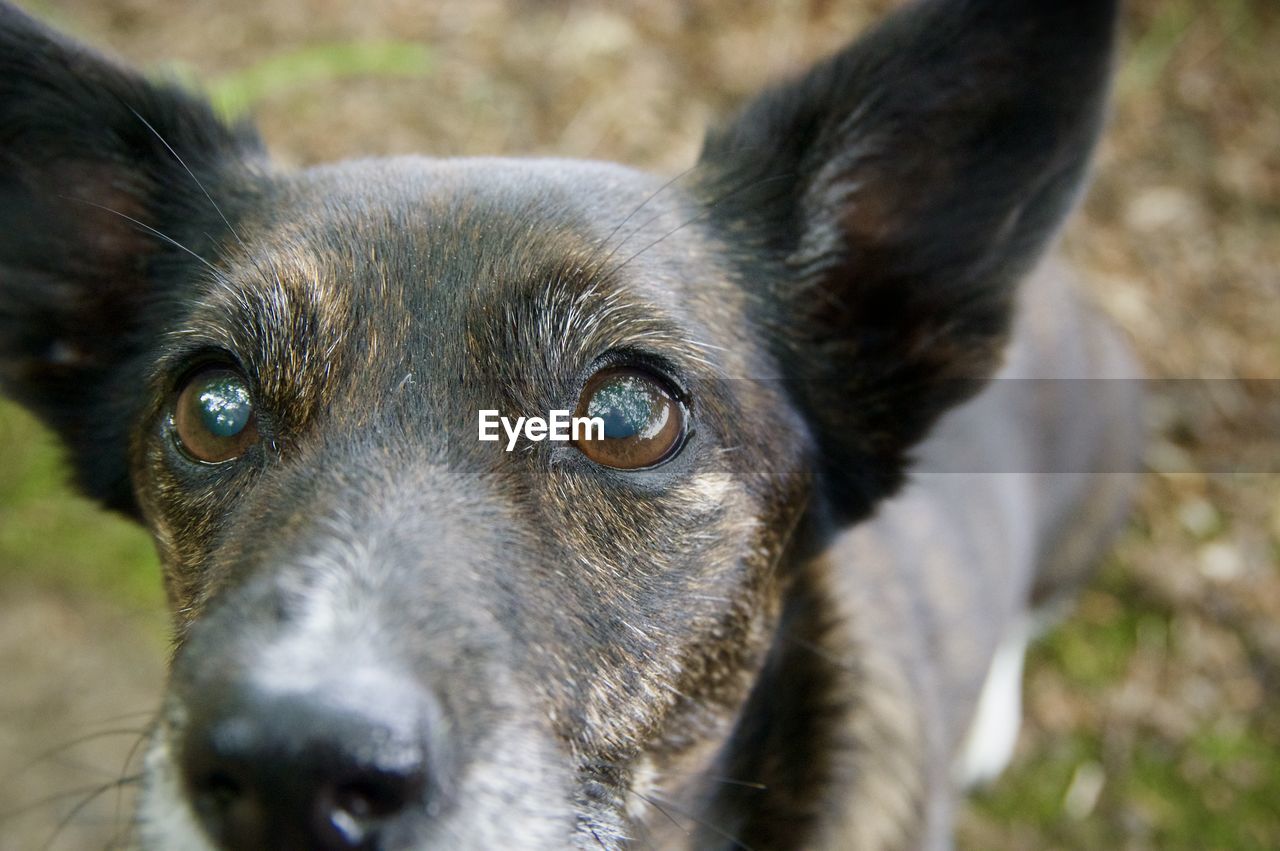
884, 205
103, 180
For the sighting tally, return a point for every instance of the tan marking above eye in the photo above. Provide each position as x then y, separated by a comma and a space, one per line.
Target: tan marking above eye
644, 422
213, 417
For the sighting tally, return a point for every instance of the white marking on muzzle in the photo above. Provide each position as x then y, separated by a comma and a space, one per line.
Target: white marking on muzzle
165, 819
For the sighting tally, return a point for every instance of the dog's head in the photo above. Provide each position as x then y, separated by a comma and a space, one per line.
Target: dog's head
394, 635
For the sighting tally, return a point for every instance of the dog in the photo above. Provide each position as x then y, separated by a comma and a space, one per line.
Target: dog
855, 433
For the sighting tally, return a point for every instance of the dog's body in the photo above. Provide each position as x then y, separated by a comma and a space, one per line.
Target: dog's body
395, 636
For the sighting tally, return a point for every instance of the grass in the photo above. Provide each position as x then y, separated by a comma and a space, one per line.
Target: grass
310, 66
1212, 786
51, 537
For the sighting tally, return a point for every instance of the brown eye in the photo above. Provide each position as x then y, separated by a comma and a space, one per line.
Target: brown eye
213, 418
644, 423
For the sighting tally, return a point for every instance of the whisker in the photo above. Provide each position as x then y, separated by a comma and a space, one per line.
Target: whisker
88, 799
651, 802
821, 652
148, 228
703, 213
125, 716
666, 807
124, 771
50, 800
719, 831
183, 163
715, 778
637, 209
79, 740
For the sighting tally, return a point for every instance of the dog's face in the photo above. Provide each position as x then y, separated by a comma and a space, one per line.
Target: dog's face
541, 623
394, 635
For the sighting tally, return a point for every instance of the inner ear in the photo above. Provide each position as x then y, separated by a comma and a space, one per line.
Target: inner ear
887, 203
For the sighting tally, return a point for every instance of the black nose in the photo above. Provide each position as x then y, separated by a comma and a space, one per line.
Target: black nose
308, 770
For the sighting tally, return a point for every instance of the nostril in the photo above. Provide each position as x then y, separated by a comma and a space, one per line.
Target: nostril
229, 806
352, 812
376, 795
220, 790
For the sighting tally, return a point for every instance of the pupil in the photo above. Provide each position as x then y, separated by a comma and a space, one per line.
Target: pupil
616, 425
627, 406
224, 407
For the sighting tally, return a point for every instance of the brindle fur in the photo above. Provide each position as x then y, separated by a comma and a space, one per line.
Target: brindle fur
723, 651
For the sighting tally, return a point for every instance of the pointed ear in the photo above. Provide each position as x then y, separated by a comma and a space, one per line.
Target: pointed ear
100, 181
897, 193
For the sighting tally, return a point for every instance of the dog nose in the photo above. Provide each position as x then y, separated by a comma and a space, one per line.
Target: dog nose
297, 771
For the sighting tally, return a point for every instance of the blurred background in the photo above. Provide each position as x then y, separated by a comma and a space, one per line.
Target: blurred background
1152, 713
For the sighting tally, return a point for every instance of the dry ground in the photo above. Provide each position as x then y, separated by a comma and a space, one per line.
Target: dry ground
1153, 720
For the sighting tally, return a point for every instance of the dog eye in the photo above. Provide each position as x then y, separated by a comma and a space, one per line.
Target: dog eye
644, 422
213, 418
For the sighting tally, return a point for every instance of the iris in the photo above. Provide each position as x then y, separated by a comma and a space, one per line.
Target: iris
631, 406
213, 418
224, 405
644, 421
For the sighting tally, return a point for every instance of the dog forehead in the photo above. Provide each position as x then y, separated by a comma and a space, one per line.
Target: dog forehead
416, 250
476, 197
431, 235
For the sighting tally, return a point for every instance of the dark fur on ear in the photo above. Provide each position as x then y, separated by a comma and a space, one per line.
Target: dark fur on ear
904, 185
86, 146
